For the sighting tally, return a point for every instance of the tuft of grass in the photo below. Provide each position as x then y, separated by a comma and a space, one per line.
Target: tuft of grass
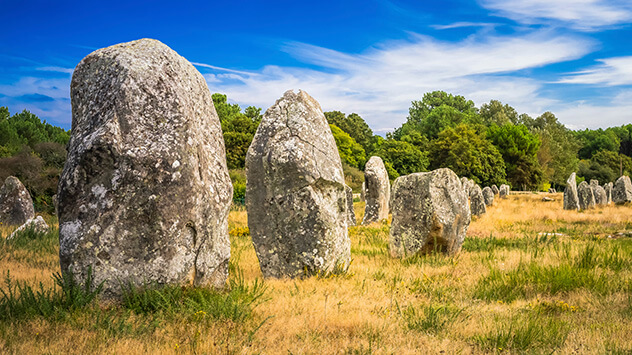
21, 301
525, 334
431, 319
196, 303
493, 243
339, 271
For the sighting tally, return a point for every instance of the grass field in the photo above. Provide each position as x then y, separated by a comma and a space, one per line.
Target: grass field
531, 278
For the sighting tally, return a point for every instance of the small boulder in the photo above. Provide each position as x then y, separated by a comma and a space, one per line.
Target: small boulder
295, 191
16, 205
477, 201
378, 191
495, 189
586, 196
547, 199
430, 212
488, 195
503, 192
37, 224
622, 191
351, 217
601, 198
571, 200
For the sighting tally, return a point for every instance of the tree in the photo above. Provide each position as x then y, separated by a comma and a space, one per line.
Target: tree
354, 126
605, 166
350, 151
519, 150
593, 141
402, 157
496, 113
466, 151
239, 129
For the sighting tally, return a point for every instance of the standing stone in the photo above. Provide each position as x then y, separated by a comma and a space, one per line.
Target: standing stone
16, 205
586, 196
571, 200
495, 189
503, 192
145, 193
477, 201
378, 191
599, 192
465, 183
363, 192
488, 195
608, 188
295, 192
430, 213
351, 217
622, 191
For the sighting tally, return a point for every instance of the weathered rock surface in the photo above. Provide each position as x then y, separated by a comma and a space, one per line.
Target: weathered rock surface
295, 193
465, 183
16, 205
145, 192
608, 188
430, 212
601, 199
503, 192
495, 189
363, 192
622, 191
378, 191
586, 196
488, 195
351, 217
477, 201
571, 200
552, 191
37, 224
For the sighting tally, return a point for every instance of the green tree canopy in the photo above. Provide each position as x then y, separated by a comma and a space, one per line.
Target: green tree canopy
466, 151
593, 141
350, 151
496, 113
519, 149
402, 157
354, 126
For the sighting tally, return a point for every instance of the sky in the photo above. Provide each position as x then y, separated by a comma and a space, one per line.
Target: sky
371, 57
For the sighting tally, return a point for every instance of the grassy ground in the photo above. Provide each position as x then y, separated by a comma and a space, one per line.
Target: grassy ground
530, 278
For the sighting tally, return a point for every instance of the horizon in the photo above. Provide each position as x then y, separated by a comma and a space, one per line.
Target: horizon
369, 58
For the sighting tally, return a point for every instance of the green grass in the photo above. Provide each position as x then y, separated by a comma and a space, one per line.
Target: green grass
431, 319
492, 243
529, 333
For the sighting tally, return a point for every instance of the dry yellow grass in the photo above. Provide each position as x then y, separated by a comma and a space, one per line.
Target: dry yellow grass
365, 311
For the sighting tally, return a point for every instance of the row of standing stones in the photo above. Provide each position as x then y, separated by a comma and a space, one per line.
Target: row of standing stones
145, 192
589, 195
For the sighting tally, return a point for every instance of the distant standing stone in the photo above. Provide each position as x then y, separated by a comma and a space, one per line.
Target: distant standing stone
601, 199
351, 217
477, 201
608, 188
295, 192
363, 192
622, 191
145, 192
378, 191
465, 183
504, 191
38, 225
495, 190
586, 196
16, 205
430, 212
488, 195
571, 200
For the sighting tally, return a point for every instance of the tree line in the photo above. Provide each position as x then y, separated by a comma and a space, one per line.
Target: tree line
492, 144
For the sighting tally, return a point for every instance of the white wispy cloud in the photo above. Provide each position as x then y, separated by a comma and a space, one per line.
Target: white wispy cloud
585, 15
464, 24
611, 72
56, 69
380, 83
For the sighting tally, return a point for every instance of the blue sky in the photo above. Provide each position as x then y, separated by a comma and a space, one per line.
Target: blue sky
372, 57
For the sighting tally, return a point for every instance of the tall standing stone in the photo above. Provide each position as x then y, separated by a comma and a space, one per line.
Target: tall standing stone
477, 201
608, 188
488, 195
571, 200
622, 191
495, 189
145, 192
586, 196
16, 205
465, 183
295, 192
351, 217
503, 192
378, 191
601, 199
430, 212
